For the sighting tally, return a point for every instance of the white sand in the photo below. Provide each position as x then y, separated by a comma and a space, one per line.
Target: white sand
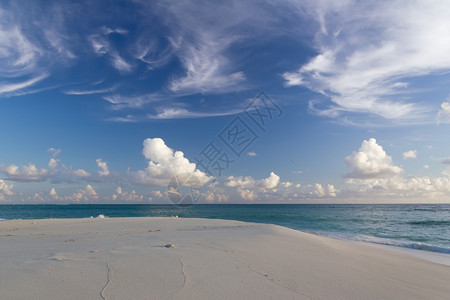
125, 258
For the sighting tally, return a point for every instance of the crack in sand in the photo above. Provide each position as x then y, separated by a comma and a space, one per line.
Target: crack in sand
109, 276
233, 255
182, 272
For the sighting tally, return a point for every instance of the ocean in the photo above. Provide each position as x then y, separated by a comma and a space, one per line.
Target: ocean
415, 226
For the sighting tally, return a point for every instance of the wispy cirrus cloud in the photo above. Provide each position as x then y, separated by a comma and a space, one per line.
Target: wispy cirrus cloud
91, 91
182, 113
18, 55
368, 52
6, 88
101, 45
119, 101
28, 53
200, 36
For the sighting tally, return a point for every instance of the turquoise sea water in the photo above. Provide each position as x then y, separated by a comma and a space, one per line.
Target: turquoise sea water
423, 227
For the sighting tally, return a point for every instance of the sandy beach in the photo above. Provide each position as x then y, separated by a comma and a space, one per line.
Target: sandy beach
126, 258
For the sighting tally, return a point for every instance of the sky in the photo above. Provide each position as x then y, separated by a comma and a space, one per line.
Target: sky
242, 102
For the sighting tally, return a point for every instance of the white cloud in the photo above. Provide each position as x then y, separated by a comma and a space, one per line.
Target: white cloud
286, 184
12, 87
212, 197
104, 170
6, 189
101, 46
200, 36
247, 194
332, 191
54, 152
444, 113
204, 64
411, 189
410, 154
157, 194
119, 190
80, 173
120, 102
251, 153
163, 164
132, 196
369, 50
54, 194
86, 194
238, 76
108, 30
182, 113
29, 47
30, 173
120, 63
318, 190
249, 182
25, 173
18, 55
53, 163
90, 92
371, 161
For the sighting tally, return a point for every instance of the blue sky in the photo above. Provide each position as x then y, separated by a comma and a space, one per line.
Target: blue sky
106, 102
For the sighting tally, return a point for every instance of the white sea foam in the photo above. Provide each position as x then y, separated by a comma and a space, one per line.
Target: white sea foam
390, 242
101, 216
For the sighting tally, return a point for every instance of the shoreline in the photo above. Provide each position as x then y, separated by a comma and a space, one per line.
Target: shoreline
116, 258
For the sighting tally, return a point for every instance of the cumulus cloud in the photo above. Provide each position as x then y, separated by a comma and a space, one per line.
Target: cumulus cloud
86, 194
251, 189
53, 163
412, 188
126, 196
318, 190
212, 197
104, 170
249, 182
119, 190
164, 163
410, 154
157, 194
80, 173
332, 191
370, 162
5, 188
286, 184
369, 51
54, 194
247, 194
444, 113
25, 173
56, 172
